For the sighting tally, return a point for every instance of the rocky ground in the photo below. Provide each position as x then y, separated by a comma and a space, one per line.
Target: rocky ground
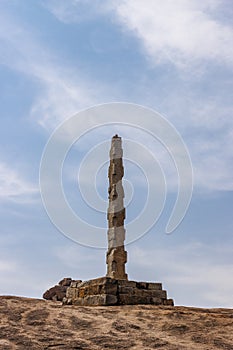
39, 324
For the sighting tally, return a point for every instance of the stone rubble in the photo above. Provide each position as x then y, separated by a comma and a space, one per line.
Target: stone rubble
58, 292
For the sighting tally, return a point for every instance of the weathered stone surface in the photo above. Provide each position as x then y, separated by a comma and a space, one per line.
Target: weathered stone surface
141, 285
157, 286
127, 283
75, 283
93, 300
56, 293
108, 291
126, 290
154, 293
65, 282
116, 257
125, 299
104, 299
142, 292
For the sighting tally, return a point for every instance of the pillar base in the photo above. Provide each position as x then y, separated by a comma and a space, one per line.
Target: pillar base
112, 276
109, 291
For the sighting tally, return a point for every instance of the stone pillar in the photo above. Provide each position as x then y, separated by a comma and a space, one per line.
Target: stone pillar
116, 254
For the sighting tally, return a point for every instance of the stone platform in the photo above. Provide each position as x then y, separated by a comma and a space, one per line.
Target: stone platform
109, 291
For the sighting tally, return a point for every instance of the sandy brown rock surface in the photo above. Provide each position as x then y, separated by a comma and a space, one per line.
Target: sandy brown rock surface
41, 324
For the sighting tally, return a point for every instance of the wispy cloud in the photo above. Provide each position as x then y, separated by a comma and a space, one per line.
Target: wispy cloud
76, 10
61, 96
61, 91
14, 187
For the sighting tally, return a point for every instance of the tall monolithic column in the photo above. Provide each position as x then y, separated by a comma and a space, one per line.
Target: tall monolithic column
116, 255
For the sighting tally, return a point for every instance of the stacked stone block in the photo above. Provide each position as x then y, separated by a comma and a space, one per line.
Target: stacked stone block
116, 257
109, 291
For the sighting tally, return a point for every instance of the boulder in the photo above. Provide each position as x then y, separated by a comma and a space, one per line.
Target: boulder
65, 282
58, 292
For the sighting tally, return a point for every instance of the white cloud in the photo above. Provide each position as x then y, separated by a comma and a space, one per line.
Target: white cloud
13, 186
183, 32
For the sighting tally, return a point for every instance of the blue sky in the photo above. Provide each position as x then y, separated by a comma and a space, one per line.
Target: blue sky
59, 57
